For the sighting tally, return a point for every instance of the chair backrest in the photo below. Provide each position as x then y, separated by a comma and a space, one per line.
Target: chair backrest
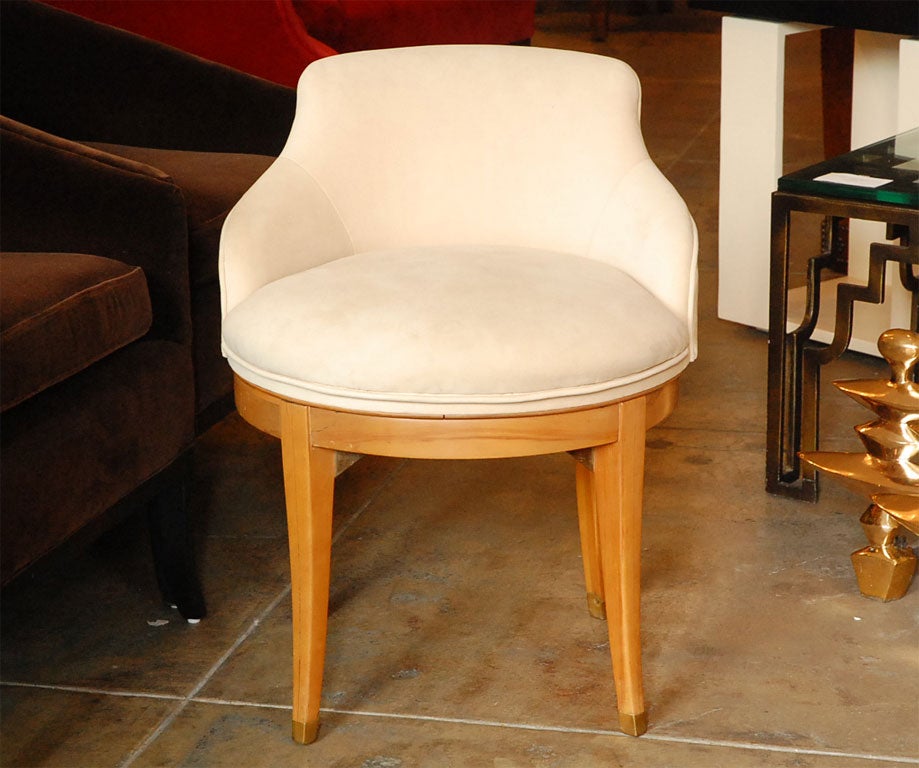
500, 145
452, 144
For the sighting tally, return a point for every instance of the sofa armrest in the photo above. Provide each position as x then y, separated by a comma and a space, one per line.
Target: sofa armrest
86, 81
60, 196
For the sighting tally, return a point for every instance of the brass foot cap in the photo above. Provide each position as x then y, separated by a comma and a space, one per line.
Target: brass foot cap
634, 725
305, 733
596, 606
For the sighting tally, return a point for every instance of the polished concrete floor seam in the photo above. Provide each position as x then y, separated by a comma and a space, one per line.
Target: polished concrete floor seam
390, 478
93, 691
169, 719
696, 137
780, 749
184, 701
517, 726
670, 739
659, 737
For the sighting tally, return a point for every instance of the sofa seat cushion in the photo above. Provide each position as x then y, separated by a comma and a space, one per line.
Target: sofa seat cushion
456, 331
212, 183
60, 313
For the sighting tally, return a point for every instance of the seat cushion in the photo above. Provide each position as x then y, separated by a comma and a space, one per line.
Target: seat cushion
211, 182
60, 313
456, 331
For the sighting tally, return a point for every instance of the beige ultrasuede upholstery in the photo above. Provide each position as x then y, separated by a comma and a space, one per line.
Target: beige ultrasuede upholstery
497, 199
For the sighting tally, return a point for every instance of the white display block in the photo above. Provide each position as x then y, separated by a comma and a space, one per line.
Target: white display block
752, 107
884, 102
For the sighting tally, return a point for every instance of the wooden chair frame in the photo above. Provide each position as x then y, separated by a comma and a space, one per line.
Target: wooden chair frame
607, 440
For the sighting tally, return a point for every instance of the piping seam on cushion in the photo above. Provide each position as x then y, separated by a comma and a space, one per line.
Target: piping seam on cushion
457, 398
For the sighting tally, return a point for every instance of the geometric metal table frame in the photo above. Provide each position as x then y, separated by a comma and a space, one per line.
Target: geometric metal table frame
793, 413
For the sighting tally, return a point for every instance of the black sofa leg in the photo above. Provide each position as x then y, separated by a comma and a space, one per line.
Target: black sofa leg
173, 552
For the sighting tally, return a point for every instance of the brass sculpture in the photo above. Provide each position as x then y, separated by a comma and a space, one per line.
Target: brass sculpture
888, 473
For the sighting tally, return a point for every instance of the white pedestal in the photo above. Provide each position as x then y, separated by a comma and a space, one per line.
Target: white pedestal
884, 102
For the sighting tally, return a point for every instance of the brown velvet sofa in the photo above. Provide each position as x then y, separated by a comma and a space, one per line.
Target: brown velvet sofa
120, 158
276, 39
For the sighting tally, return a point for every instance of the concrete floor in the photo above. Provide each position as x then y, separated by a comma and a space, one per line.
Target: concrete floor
458, 631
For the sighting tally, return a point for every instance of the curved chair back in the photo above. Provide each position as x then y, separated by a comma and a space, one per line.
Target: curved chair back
445, 145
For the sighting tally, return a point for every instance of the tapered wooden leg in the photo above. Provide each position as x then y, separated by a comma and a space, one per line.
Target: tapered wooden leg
309, 479
590, 553
619, 484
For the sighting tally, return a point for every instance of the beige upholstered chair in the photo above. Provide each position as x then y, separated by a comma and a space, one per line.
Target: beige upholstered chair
462, 252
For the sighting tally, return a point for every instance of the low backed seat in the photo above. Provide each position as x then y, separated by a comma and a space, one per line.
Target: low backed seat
462, 252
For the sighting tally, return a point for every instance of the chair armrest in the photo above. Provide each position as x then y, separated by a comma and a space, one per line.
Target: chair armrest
647, 231
265, 237
60, 196
89, 82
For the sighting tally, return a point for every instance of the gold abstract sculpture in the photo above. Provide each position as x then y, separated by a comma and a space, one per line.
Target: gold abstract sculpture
888, 473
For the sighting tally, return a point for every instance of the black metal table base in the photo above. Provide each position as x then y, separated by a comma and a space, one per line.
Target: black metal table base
793, 416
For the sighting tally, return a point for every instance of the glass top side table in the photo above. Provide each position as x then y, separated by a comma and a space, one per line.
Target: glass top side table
884, 172
879, 182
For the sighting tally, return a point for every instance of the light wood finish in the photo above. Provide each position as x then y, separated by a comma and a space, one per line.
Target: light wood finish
619, 484
473, 438
260, 408
590, 552
608, 442
661, 402
309, 478
455, 438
